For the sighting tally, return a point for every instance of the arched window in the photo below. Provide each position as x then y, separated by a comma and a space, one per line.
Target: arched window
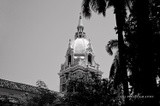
89, 58
67, 74
69, 59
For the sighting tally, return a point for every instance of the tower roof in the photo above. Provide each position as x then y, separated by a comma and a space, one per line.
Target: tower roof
80, 45
80, 26
80, 33
80, 23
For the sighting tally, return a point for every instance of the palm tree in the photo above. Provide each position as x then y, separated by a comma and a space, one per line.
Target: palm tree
131, 66
144, 74
145, 40
120, 15
113, 70
143, 77
115, 75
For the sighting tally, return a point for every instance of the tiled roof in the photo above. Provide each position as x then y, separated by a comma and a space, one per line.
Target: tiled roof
18, 86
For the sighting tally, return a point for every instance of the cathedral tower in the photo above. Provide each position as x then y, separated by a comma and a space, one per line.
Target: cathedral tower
79, 58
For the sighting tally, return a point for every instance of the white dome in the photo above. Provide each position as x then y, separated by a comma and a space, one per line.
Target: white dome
80, 45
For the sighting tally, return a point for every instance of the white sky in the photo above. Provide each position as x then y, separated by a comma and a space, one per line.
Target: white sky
34, 36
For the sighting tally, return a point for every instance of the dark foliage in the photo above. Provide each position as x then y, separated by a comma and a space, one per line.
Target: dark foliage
138, 57
46, 97
92, 92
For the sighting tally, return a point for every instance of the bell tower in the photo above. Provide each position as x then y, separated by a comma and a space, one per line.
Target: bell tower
79, 58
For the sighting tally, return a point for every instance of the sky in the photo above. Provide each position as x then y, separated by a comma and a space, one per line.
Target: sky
34, 37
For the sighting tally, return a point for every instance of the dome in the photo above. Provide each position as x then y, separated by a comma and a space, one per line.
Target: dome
80, 45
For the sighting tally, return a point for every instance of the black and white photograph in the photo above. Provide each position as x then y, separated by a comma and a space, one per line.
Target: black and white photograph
79, 52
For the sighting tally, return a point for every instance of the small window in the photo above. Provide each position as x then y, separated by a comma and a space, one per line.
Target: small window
69, 59
67, 75
90, 59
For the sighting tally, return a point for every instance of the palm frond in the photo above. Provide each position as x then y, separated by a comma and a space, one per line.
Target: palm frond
102, 7
110, 3
111, 44
86, 10
129, 5
112, 71
94, 5
98, 6
114, 66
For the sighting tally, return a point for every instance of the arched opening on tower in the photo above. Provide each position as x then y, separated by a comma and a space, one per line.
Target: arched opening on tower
89, 58
69, 59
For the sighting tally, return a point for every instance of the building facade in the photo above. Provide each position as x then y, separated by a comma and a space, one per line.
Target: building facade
16, 93
79, 58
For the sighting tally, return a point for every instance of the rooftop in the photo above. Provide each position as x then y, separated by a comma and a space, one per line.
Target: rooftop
18, 86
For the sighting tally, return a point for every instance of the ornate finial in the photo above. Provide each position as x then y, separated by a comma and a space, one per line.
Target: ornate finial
80, 23
69, 45
80, 20
89, 45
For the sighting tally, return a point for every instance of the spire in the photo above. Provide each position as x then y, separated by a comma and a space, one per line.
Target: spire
89, 45
80, 23
80, 26
69, 44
